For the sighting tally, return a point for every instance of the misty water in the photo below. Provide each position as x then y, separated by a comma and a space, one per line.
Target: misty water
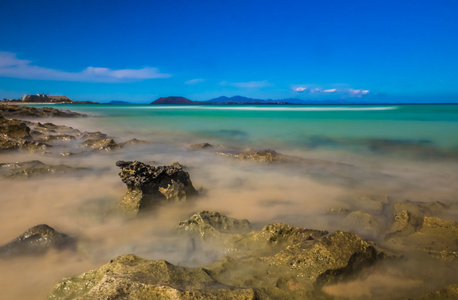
403, 152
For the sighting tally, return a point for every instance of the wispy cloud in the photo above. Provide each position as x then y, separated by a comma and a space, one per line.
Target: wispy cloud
313, 89
11, 66
299, 89
194, 81
249, 84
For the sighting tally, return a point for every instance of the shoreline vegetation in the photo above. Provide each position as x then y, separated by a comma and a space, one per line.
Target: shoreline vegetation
396, 248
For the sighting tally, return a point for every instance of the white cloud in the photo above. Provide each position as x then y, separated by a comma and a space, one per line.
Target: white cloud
299, 89
11, 66
249, 84
358, 93
330, 91
194, 81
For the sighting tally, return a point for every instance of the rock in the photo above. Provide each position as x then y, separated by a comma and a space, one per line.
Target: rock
15, 135
148, 185
405, 223
36, 240
107, 144
268, 156
207, 225
420, 209
448, 292
433, 236
34, 168
194, 147
132, 277
26, 111
363, 223
10, 128
277, 262
133, 142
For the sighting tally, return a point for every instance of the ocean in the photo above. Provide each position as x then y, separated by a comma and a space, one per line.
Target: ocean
400, 152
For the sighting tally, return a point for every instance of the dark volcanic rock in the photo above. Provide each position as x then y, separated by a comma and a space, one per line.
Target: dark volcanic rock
148, 185
34, 168
36, 240
9, 110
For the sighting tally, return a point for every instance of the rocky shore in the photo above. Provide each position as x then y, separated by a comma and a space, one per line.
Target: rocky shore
253, 261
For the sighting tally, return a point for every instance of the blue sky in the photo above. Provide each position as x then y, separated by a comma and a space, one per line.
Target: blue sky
140, 50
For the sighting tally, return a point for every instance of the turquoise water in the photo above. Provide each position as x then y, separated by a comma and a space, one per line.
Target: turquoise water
286, 127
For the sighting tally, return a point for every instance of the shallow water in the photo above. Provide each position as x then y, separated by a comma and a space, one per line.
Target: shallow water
405, 152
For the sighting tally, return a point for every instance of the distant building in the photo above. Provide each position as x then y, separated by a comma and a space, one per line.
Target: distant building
46, 98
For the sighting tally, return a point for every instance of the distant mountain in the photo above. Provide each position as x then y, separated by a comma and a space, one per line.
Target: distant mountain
174, 100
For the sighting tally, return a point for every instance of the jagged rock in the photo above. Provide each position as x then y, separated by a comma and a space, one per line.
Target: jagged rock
15, 135
194, 147
133, 142
287, 261
209, 225
405, 223
33, 168
436, 237
277, 262
10, 128
420, 209
363, 223
36, 240
448, 292
268, 156
107, 144
132, 277
25, 111
148, 185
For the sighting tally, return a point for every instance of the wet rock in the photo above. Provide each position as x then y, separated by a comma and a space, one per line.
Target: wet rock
36, 240
34, 168
10, 128
194, 147
107, 144
208, 225
148, 185
277, 262
420, 209
15, 135
405, 223
364, 223
431, 235
448, 292
268, 156
132, 277
25, 111
133, 142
